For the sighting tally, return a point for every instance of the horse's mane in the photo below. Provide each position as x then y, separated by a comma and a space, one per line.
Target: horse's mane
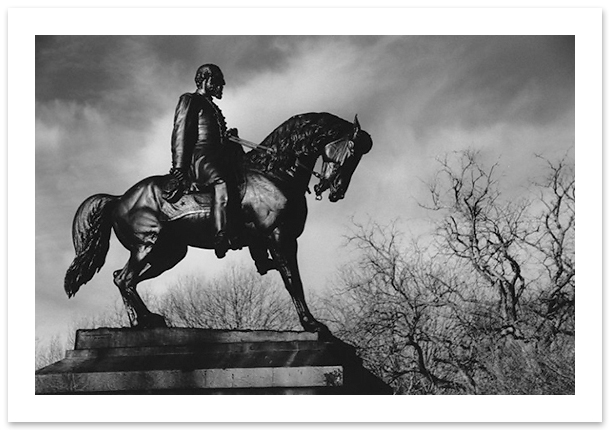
299, 135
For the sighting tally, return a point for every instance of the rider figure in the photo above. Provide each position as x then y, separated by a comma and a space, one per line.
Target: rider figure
199, 147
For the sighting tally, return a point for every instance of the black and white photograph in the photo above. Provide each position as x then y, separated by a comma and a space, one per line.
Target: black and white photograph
383, 215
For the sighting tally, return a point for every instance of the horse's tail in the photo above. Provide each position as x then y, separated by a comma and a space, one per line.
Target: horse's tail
91, 236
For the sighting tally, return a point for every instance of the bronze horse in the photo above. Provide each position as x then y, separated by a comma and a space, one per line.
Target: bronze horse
271, 206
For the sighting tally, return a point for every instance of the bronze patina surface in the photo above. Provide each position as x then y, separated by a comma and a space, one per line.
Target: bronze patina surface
271, 209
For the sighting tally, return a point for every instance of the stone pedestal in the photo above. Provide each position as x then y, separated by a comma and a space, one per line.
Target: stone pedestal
197, 361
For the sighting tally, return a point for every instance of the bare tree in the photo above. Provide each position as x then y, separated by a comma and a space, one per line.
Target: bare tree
465, 313
396, 307
510, 242
54, 347
555, 244
481, 228
49, 350
240, 299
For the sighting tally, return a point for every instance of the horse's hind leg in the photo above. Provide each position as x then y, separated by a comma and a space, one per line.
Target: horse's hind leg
162, 259
126, 280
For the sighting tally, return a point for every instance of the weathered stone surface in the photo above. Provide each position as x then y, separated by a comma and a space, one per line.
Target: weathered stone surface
158, 380
194, 361
118, 337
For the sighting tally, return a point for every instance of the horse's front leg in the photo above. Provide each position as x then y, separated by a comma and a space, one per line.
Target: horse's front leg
284, 252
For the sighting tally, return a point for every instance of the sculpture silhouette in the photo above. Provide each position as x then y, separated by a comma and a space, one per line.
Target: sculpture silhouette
273, 210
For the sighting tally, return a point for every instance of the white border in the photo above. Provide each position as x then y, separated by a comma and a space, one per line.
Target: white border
25, 23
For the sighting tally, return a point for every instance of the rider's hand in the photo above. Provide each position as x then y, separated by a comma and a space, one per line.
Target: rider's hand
176, 186
232, 132
179, 174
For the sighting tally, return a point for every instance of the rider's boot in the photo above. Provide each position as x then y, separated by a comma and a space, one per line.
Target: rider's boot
221, 198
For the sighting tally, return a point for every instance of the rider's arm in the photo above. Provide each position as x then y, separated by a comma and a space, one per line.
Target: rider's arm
184, 134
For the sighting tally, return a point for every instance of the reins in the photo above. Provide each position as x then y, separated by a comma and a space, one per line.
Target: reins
257, 147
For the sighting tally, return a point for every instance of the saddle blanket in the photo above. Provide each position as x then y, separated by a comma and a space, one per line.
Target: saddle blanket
189, 204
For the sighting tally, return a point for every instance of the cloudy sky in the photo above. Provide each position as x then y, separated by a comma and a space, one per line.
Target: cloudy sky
104, 107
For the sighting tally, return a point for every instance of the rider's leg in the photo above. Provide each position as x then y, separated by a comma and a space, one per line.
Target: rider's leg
221, 199
208, 172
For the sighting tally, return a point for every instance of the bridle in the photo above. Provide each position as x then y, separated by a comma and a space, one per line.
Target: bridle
335, 153
342, 151
343, 148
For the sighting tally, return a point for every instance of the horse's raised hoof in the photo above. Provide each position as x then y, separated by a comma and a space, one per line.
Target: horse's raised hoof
151, 321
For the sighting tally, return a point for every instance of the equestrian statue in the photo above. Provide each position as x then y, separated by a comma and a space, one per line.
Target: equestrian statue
218, 197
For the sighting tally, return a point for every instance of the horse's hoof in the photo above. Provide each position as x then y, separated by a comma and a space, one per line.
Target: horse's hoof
324, 333
315, 326
151, 321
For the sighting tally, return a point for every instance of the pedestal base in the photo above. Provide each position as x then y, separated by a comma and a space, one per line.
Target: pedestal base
197, 361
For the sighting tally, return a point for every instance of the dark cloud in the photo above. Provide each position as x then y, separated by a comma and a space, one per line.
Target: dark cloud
72, 67
254, 55
496, 79
76, 67
123, 77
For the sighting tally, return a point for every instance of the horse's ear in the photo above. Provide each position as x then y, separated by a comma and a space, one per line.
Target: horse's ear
356, 125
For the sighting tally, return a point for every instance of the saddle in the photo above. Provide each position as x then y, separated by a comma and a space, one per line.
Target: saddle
188, 204
201, 203
195, 200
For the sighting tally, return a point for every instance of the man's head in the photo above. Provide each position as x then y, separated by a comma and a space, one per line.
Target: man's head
209, 80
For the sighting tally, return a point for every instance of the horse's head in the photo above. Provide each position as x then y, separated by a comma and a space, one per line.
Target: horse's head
340, 159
